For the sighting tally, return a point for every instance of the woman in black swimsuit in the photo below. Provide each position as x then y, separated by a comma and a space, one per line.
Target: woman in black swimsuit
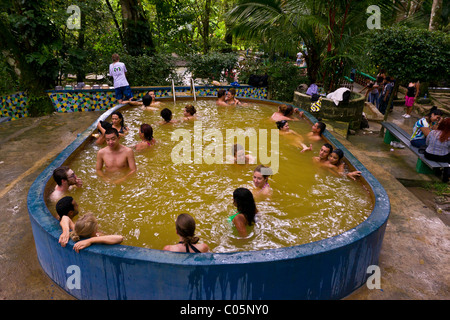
117, 123
185, 226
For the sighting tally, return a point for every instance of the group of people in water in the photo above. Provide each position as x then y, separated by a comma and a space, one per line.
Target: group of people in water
115, 157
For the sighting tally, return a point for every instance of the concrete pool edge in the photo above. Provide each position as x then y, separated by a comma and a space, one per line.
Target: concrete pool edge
327, 269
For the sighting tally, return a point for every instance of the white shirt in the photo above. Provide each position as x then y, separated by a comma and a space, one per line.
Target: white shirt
336, 96
117, 71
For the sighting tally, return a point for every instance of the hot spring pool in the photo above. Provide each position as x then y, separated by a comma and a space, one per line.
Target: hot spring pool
308, 203
315, 238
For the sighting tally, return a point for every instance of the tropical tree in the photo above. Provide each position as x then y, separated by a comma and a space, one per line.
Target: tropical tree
29, 40
331, 30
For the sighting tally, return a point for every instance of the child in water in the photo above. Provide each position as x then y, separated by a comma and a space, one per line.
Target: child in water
87, 227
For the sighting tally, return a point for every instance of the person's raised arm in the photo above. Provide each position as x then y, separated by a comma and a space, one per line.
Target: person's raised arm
66, 225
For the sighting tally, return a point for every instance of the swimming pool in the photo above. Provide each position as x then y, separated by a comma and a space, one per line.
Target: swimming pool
330, 268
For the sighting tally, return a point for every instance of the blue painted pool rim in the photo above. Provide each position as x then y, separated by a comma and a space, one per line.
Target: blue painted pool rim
327, 269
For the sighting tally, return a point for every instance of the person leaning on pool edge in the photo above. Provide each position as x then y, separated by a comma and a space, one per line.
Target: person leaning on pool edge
85, 233
185, 228
67, 209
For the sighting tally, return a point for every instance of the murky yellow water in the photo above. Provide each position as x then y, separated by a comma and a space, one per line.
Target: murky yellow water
308, 203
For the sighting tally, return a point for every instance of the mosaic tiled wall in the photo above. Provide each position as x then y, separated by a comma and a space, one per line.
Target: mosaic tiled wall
100, 100
14, 106
85, 100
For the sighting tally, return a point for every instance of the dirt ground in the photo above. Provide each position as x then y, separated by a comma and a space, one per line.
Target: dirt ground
433, 201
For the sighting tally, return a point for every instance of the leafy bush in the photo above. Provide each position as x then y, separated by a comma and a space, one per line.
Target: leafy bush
411, 54
212, 66
145, 70
8, 79
284, 76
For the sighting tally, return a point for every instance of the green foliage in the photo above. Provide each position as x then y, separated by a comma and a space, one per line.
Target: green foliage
8, 79
411, 54
145, 70
39, 104
283, 76
212, 66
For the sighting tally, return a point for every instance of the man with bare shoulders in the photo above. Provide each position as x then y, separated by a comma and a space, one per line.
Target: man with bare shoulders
316, 131
66, 180
323, 154
115, 158
221, 98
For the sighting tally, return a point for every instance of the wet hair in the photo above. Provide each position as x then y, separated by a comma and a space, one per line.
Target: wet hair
221, 93
321, 126
339, 152
185, 226
282, 108
60, 174
289, 110
84, 227
111, 130
444, 127
166, 114
286, 110
236, 148
115, 57
265, 171
281, 124
119, 114
190, 109
232, 91
147, 130
245, 204
147, 100
434, 110
329, 146
64, 206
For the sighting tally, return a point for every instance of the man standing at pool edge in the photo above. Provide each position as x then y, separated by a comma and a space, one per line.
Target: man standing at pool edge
122, 88
115, 158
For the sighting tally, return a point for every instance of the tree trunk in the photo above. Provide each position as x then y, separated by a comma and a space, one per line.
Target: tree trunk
205, 25
81, 73
228, 35
136, 29
115, 21
313, 64
435, 16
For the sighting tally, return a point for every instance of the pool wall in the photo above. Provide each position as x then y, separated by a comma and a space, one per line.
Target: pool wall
75, 100
327, 269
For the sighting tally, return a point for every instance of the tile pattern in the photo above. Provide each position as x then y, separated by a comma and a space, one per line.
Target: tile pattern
15, 106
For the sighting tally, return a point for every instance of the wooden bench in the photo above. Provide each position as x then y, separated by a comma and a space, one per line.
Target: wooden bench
395, 133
